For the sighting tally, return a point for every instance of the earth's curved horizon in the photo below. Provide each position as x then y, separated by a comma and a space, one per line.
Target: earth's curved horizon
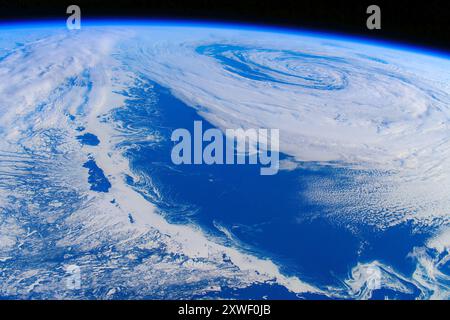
92, 207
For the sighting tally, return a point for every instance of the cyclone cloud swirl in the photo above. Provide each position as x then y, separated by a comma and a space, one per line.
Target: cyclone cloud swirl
285, 67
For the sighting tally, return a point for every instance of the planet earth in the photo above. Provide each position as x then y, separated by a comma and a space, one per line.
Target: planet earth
92, 207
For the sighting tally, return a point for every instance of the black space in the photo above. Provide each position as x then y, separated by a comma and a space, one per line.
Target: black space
423, 23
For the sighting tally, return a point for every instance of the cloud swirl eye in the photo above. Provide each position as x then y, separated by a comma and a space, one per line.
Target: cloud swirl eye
280, 66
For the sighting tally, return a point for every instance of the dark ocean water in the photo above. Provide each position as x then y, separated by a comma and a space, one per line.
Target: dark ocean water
88, 139
265, 215
97, 178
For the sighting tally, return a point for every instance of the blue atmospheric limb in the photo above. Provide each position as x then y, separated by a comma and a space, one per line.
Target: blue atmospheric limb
142, 22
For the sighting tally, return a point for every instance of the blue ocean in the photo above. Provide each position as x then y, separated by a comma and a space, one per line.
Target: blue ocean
263, 215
